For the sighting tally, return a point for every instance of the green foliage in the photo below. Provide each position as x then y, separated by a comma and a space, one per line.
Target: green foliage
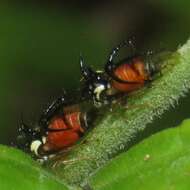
33, 40
159, 162
18, 171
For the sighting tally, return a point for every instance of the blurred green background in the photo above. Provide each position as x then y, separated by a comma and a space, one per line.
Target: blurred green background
40, 43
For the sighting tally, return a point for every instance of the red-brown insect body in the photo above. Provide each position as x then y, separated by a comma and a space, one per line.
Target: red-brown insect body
59, 140
134, 71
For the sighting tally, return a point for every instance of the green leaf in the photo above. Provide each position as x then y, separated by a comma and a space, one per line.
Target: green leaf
19, 171
159, 162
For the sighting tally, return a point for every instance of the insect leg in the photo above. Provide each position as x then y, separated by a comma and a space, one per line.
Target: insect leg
111, 66
54, 107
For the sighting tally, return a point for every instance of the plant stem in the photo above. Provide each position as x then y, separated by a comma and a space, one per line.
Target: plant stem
114, 132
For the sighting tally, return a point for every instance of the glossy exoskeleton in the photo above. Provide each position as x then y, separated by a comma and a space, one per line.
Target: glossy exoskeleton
60, 126
117, 79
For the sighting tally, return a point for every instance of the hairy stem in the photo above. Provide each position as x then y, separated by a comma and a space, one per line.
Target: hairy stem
116, 129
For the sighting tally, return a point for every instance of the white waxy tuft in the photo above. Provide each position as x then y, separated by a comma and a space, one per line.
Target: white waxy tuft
35, 146
98, 90
44, 140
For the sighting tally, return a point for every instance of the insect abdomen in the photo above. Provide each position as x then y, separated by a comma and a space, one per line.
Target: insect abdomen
135, 72
61, 139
